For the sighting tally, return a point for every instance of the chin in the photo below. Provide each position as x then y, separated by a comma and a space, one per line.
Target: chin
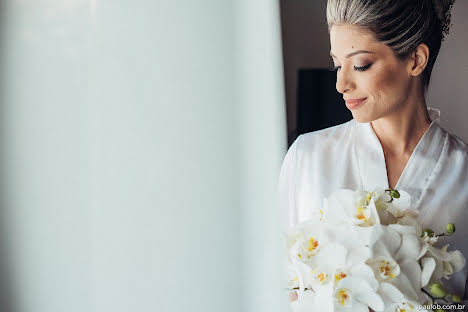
362, 117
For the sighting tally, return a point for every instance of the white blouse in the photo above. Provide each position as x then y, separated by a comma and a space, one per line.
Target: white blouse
351, 156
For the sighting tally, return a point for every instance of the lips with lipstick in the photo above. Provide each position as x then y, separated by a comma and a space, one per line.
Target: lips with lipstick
354, 103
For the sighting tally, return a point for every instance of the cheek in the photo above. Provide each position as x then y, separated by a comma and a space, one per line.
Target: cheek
387, 82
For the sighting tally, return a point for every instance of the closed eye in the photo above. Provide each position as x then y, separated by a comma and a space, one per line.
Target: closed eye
362, 68
356, 68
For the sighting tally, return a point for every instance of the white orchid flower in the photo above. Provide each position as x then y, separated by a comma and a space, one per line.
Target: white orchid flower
337, 262
306, 240
352, 222
318, 300
399, 207
349, 207
364, 214
430, 239
295, 280
446, 262
334, 262
356, 295
396, 301
428, 266
395, 259
390, 210
354, 283
330, 268
365, 250
443, 263
351, 295
308, 277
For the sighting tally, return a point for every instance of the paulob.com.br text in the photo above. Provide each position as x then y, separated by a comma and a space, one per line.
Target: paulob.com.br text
453, 306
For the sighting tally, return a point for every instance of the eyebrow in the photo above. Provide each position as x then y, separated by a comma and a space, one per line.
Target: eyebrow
354, 53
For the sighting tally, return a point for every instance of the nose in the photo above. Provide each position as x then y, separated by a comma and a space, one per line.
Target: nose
344, 81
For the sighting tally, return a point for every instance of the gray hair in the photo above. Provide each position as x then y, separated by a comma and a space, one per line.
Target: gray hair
400, 24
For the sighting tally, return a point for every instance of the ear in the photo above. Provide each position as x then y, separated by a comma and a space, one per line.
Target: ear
417, 61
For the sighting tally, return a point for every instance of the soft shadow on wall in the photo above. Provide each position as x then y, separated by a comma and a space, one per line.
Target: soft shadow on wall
6, 293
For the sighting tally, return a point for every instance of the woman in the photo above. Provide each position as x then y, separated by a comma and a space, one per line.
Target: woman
384, 52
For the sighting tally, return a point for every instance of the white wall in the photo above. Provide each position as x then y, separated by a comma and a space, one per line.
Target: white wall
141, 143
306, 45
449, 83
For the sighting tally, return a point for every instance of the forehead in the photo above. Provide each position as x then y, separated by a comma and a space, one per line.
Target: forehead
348, 38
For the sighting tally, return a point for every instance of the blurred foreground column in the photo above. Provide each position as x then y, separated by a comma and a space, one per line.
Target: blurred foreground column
141, 143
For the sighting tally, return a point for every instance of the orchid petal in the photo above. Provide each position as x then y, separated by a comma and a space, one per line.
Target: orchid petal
402, 203
410, 247
324, 299
424, 249
428, 266
388, 243
363, 293
358, 255
390, 293
412, 270
366, 273
355, 307
304, 302
369, 235
405, 286
331, 257
403, 229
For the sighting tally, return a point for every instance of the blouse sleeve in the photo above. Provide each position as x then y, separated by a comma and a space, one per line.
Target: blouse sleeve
287, 187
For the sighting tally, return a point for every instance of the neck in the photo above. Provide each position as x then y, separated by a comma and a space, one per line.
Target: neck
400, 131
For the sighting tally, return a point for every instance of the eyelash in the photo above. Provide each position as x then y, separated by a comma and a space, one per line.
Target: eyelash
362, 68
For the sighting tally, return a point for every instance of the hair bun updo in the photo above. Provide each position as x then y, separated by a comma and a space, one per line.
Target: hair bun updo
443, 9
402, 25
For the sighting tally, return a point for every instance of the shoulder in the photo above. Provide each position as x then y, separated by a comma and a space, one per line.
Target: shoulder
453, 161
458, 144
333, 137
456, 147
311, 147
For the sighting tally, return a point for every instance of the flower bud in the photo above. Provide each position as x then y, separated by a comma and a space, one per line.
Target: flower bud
438, 290
429, 232
456, 299
394, 194
450, 228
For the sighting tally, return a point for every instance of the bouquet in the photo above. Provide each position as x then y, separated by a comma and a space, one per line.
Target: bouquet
365, 250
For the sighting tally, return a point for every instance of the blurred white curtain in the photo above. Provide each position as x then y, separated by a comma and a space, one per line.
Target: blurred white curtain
140, 147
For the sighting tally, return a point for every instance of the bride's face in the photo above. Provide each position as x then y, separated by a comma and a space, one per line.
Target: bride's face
373, 81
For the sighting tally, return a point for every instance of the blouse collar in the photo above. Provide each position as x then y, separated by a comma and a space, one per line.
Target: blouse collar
414, 179
434, 114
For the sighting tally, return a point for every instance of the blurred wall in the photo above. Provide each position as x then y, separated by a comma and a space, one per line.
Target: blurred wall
306, 45
449, 80
45, 204
140, 147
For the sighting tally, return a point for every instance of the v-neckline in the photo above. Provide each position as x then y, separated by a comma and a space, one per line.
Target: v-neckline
410, 159
372, 165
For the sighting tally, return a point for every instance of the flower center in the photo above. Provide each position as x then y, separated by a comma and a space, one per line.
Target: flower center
362, 213
343, 296
384, 268
322, 277
340, 276
313, 244
387, 269
404, 307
